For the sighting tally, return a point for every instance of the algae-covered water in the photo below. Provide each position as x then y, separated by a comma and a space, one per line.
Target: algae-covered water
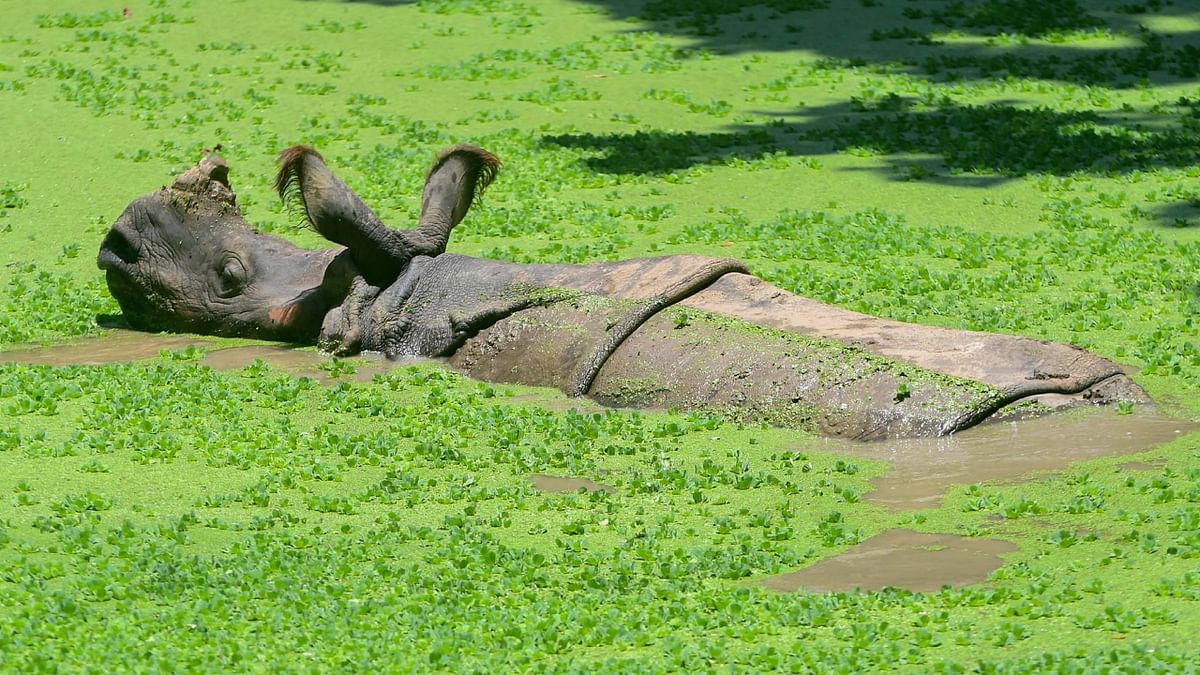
188, 503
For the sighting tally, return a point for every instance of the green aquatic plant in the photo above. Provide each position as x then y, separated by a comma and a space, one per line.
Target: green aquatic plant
991, 165
10, 197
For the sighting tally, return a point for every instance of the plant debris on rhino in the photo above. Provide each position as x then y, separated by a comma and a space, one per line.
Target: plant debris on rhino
684, 331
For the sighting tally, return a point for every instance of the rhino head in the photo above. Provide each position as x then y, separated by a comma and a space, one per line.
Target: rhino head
184, 260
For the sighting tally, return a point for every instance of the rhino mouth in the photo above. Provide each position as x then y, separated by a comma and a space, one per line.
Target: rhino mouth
118, 258
136, 307
110, 261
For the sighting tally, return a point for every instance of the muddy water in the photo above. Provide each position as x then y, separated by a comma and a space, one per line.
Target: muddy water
118, 346
922, 469
1152, 465
900, 559
299, 362
307, 363
123, 346
547, 483
291, 360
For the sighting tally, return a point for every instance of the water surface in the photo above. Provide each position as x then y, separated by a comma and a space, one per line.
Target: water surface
899, 558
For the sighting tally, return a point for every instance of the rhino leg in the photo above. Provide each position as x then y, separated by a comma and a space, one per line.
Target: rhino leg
342, 329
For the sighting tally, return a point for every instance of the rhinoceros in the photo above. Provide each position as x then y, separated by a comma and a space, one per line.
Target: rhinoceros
684, 331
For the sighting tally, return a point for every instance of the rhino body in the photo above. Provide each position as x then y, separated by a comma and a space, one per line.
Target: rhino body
687, 332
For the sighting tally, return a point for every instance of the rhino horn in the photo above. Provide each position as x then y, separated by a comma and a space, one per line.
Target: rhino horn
210, 178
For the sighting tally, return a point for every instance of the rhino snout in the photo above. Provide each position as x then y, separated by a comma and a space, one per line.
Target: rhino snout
118, 250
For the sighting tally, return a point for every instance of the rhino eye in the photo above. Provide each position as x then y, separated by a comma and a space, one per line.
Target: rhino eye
231, 276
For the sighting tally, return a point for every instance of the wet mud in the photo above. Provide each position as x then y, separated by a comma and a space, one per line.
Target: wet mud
301, 363
547, 483
558, 402
915, 561
923, 469
292, 360
1149, 465
118, 346
125, 346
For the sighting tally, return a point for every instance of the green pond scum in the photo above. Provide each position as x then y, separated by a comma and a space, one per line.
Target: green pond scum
1016, 166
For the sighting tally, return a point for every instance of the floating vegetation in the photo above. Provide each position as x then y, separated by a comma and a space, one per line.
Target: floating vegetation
1003, 165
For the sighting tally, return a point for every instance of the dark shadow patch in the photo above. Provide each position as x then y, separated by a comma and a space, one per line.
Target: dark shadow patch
907, 34
112, 321
658, 152
1177, 215
950, 142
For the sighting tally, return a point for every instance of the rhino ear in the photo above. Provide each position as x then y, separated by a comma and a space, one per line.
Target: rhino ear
307, 185
458, 175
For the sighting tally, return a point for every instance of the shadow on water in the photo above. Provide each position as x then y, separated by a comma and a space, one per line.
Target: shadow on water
972, 143
915, 561
1065, 40
1114, 45
923, 469
1178, 215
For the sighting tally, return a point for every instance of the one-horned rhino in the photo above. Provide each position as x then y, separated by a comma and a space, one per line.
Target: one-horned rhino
683, 331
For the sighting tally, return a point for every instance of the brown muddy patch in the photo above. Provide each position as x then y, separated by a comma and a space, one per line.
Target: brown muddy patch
1147, 465
277, 357
125, 346
292, 361
584, 406
915, 561
117, 346
303, 363
923, 469
547, 483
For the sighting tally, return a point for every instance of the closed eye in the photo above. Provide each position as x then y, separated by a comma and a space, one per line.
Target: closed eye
231, 276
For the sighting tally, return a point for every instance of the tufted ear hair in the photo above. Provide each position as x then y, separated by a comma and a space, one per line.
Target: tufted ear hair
458, 175
305, 184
